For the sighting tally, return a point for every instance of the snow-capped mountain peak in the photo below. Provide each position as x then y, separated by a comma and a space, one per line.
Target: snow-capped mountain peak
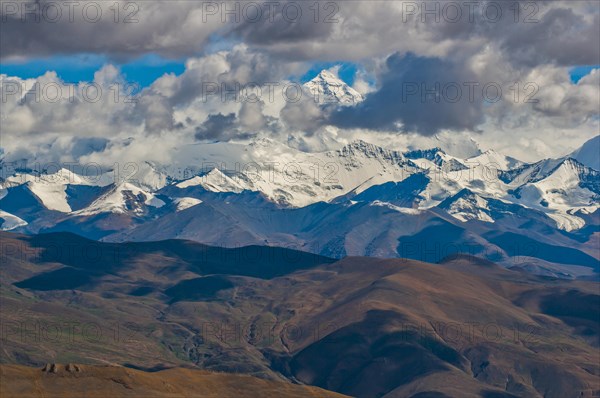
466, 205
50, 188
122, 198
494, 160
328, 88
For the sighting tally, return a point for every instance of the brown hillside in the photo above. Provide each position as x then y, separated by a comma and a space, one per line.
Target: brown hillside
78, 381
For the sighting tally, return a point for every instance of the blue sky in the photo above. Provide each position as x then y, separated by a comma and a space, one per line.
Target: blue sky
146, 69
76, 68
143, 70
580, 71
347, 71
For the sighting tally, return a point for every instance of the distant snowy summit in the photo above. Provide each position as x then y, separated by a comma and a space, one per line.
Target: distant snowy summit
589, 153
327, 88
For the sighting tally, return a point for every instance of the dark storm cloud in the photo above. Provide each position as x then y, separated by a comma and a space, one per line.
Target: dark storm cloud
128, 29
560, 37
530, 33
85, 146
565, 33
123, 29
420, 94
220, 127
216, 126
290, 21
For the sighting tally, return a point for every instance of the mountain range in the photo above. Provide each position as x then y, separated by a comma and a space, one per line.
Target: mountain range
359, 200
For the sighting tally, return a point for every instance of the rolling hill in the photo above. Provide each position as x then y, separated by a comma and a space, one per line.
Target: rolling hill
360, 326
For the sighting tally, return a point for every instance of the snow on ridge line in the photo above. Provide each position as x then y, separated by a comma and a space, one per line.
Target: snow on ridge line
10, 221
403, 210
214, 181
186, 203
62, 176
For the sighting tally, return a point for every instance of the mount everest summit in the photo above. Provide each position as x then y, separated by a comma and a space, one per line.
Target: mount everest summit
328, 88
